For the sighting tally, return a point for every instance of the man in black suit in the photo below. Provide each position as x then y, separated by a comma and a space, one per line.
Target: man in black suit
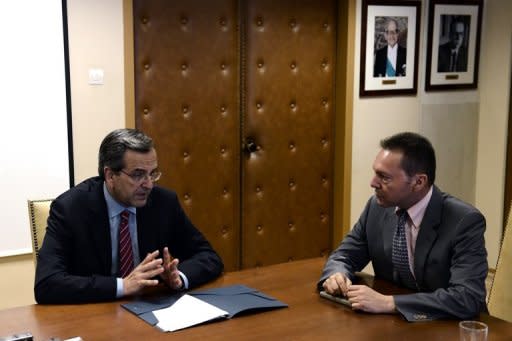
415, 236
390, 61
453, 55
113, 235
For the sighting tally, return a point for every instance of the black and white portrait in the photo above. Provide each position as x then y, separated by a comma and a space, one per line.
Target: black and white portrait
453, 43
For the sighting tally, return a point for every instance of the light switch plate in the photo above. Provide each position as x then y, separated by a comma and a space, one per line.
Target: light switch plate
96, 76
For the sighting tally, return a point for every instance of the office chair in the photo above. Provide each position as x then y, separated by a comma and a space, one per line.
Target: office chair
38, 211
500, 297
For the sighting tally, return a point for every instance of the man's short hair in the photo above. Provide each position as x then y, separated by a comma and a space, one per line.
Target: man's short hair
115, 144
418, 154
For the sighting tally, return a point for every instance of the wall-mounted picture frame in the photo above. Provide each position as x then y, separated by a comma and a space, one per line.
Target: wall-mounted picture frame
453, 46
390, 32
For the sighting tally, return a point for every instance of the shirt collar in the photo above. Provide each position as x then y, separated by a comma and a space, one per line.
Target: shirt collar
393, 49
417, 211
115, 208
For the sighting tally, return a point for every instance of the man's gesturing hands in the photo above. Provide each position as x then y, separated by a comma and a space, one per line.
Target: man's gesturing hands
142, 276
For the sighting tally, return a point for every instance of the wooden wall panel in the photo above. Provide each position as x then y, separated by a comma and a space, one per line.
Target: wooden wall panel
211, 74
186, 98
288, 100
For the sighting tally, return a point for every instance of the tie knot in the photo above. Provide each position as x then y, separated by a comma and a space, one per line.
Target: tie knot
402, 215
125, 215
401, 212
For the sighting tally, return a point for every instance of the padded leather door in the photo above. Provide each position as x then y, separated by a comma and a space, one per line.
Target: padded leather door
209, 75
186, 98
289, 50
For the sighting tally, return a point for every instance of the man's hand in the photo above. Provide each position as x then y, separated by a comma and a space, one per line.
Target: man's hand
171, 275
142, 275
366, 299
337, 284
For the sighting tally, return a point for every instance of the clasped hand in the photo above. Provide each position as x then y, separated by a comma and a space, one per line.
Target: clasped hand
152, 266
361, 297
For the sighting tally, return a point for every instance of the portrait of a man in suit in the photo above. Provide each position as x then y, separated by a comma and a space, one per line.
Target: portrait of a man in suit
390, 59
453, 53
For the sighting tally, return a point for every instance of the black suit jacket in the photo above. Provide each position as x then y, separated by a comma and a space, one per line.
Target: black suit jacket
381, 58
450, 259
74, 263
443, 60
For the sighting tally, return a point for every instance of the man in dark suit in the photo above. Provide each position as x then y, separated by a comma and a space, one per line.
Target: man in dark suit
437, 250
113, 235
453, 55
391, 60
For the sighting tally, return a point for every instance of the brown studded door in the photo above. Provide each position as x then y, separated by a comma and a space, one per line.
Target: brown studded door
239, 98
288, 118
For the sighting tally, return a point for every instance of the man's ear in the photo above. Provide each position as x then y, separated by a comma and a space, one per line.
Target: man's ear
421, 181
109, 174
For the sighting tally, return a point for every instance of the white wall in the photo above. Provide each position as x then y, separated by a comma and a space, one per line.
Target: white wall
95, 41
34, 115
495, 72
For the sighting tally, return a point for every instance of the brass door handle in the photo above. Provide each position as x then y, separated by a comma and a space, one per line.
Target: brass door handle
250, 146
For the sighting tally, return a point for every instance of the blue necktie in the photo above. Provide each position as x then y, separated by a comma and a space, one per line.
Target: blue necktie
399, 253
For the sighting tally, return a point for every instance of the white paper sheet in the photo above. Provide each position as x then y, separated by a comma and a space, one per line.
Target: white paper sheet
186, 312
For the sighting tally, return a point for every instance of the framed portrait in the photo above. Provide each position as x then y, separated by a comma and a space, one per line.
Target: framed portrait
453, 44
390, 33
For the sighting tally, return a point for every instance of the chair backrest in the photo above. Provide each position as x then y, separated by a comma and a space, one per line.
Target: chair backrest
38, 211
500, 297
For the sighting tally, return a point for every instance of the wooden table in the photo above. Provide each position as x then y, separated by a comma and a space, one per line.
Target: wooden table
308, 317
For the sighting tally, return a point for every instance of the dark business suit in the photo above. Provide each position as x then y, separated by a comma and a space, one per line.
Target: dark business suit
74, 263
444, 58
381, 58
450, 260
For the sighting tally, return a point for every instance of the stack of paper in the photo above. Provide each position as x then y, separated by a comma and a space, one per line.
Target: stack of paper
186, 312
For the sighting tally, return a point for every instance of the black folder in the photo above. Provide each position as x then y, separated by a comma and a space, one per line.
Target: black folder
234, 299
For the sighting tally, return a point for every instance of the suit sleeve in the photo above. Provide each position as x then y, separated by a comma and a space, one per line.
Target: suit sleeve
465, 295
352, 255
56, 280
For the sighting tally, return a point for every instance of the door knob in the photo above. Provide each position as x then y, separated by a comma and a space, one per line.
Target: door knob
250, 146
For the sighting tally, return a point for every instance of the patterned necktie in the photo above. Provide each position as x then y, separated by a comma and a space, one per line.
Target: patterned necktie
125, 246
399, 253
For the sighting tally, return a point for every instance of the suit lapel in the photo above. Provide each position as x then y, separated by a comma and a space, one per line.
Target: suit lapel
427, 234
145, 229
388, 231
100, 226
